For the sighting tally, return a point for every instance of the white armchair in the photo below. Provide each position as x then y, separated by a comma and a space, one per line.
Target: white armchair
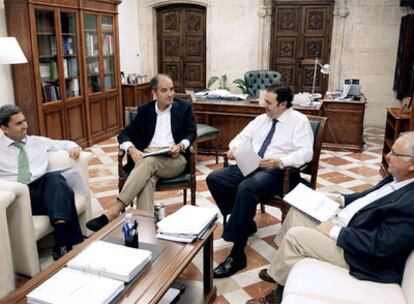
25, 230
6, 264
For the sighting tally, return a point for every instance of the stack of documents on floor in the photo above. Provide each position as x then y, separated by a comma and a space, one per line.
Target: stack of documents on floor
312, 203
187, 224
96, 275
220, 94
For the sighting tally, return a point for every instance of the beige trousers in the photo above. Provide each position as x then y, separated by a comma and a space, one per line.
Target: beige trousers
143, 178
299, 239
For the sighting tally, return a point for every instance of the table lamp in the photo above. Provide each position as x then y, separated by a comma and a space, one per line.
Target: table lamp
325, 69
10, 51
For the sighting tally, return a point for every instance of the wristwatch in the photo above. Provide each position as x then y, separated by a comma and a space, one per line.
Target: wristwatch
281, 165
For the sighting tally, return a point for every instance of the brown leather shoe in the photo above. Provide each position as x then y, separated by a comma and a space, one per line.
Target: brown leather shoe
265, 276
268, 299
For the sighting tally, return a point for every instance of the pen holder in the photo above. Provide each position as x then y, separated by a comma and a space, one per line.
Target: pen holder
131, 240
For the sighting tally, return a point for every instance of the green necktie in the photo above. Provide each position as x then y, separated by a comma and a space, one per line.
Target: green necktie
23, 172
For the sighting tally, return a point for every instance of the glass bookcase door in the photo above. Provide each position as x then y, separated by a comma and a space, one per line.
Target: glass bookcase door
47, 52
107, 28
92, 52
70, 54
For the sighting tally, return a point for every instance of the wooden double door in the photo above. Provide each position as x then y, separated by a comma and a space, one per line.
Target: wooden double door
301, 32
181, 37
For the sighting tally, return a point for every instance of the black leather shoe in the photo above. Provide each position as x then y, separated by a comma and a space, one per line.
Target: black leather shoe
229, 267
265, 276
97, 223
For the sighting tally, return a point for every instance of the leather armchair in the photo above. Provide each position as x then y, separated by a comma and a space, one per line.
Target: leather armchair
260, 80
25, 229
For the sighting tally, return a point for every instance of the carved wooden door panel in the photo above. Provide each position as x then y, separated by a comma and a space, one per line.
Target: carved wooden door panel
301, 32
181, 33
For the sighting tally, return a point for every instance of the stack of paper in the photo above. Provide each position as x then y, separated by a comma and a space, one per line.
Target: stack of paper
312, 203
70, 286
111, 260
187, 224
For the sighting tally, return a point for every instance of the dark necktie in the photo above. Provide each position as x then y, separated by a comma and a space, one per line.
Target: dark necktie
23, 172
268, 139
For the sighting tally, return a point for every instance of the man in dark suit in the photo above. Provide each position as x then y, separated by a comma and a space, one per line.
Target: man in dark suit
372, 235
164, 122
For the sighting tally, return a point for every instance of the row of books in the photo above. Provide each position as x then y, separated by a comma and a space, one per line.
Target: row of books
50, 92
70, 67
91, 44
108, 45
68, 46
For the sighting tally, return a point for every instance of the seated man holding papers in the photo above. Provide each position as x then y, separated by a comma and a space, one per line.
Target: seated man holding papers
166, 123
372, 235
280, 137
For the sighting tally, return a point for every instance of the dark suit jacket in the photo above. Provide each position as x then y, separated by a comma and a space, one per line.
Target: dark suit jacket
141, 129
380, 236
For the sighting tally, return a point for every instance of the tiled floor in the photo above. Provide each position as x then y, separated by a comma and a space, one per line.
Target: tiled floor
342, 172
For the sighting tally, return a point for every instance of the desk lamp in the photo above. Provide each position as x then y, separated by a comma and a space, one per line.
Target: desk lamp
10, 51
325, 69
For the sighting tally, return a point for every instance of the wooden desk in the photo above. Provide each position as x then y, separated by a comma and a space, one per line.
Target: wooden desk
345, 125
152, 284
231, 116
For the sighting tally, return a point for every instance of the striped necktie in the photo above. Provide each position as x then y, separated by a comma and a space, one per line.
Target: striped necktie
23, 172
268, 139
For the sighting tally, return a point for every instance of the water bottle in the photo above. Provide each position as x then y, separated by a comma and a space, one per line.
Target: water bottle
130, 231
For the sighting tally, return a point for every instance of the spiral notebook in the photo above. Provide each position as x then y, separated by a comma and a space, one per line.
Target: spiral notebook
111, 260
312, 203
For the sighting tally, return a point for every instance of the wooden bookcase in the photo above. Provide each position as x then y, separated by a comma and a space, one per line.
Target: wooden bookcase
396, 123
70, 88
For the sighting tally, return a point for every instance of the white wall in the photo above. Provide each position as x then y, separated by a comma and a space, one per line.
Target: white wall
365, 40
128, 37
6, 84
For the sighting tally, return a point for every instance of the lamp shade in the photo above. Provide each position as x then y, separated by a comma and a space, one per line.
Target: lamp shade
10, 51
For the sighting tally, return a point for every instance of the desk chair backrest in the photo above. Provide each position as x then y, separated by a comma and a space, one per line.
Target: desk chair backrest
260, 80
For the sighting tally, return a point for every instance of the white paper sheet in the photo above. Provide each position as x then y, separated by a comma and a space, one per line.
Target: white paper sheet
247, 159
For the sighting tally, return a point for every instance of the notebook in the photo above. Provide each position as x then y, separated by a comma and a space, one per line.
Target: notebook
70, 286
111, 260
312, 203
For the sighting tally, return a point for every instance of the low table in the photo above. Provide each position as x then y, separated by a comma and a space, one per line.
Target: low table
154, 282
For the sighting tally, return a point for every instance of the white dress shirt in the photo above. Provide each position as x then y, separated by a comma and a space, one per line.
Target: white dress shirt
343, 218
292, 142
36, 148
162, 137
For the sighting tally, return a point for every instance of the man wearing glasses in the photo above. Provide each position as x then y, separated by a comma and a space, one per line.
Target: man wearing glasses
372, 235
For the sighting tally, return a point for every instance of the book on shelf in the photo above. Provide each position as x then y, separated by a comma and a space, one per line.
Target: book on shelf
72, 286
108, 45
44, 69
53, 70
53, 49
65, 68
67, 45
312, 203
50, 92
108, 82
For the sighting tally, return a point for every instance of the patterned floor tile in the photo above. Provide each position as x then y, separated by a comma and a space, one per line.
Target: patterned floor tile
342, 172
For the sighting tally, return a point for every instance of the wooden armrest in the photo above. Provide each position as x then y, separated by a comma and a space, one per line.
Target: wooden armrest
225, 160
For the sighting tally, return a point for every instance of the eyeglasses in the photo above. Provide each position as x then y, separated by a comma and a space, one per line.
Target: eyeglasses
392, 152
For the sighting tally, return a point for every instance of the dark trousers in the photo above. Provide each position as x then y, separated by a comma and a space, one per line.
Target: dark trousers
238, 195
51, 195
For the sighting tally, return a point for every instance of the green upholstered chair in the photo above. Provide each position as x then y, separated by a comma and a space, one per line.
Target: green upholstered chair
260, 79
309, 169
184, 181
205, 133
